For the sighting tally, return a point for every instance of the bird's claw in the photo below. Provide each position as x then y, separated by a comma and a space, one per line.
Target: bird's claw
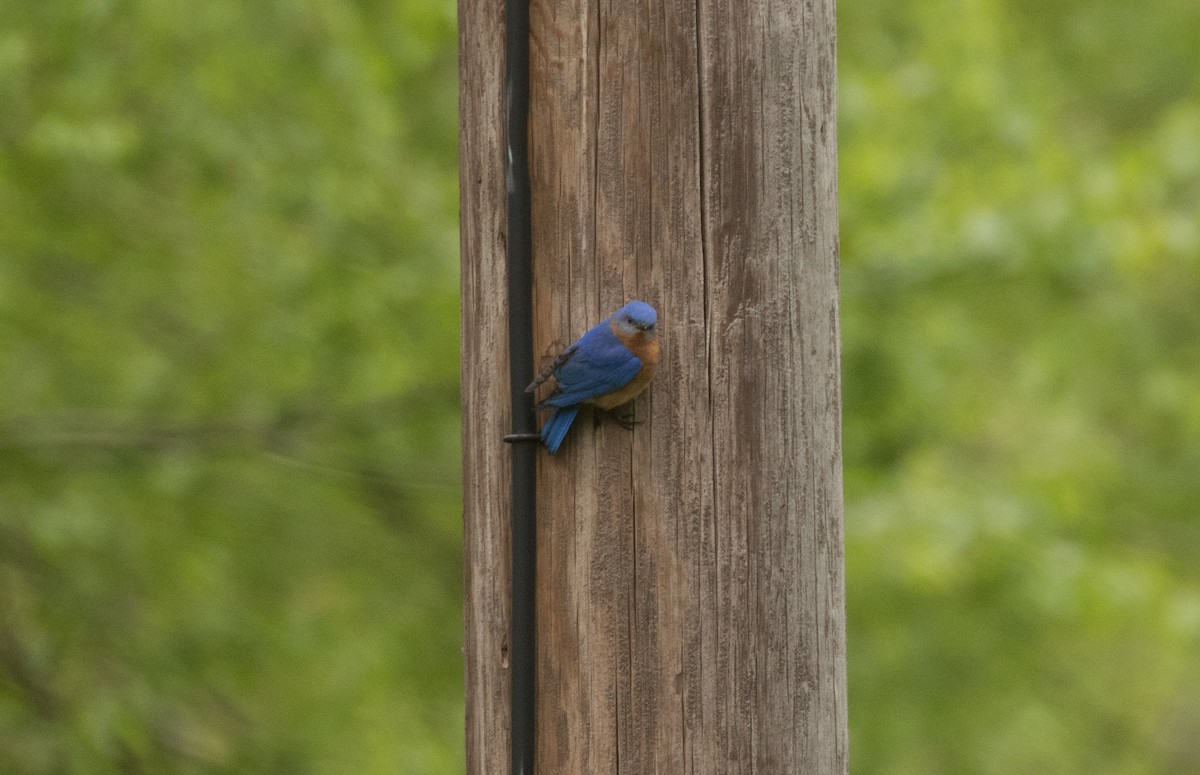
627, 420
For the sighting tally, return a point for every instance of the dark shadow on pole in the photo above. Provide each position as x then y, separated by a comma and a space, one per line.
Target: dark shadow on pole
523, 648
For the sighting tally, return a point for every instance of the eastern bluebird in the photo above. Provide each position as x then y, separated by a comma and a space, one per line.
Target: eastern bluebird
608, 366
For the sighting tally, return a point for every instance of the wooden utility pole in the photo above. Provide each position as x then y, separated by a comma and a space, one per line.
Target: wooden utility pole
690, 576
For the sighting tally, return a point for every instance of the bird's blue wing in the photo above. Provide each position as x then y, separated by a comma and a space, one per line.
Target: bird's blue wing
600, 364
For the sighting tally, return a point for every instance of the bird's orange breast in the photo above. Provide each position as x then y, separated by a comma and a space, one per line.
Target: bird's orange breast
647, 350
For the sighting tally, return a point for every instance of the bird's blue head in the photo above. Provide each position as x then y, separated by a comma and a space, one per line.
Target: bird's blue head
635, 317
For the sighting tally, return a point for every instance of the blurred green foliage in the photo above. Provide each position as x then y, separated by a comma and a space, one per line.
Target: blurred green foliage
229, 509
229, 446
1021, 317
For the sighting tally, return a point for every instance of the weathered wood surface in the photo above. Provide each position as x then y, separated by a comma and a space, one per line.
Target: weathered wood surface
690, 572
486, 416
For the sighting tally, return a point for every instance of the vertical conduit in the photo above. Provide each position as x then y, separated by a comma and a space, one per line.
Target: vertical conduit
522, 649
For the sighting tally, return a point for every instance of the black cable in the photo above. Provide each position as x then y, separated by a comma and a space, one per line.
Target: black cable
522, 649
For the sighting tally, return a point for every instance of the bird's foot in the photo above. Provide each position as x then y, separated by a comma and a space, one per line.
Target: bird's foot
625, 417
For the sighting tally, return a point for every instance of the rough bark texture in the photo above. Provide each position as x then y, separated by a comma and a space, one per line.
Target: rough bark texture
690, 572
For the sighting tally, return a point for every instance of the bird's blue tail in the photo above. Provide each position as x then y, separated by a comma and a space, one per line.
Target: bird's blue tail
555, 429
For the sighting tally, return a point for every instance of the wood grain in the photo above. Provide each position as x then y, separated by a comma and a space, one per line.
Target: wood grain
691, 600
485, 397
